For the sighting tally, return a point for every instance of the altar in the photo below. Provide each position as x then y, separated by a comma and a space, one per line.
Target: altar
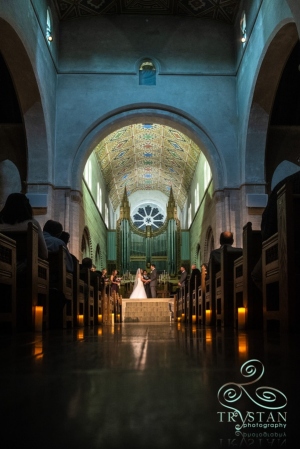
147, 310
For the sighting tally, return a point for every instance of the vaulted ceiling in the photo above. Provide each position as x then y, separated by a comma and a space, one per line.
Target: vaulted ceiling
221, 10
147, 157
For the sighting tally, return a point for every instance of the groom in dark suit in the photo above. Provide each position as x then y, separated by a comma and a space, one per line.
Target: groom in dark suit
153, 281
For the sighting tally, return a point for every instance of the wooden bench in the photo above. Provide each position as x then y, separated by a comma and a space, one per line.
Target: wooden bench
32, 281
85, 275
98, 315
201, 297
246, 294
224, 299
78, 296
281, 266
61, 283
8, 284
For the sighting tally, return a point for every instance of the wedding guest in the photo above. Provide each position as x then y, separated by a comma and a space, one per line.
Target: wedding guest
114, 282
52, 231
15, 216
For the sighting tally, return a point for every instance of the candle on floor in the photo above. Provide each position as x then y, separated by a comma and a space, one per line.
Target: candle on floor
241, 317
38, 318
208, 317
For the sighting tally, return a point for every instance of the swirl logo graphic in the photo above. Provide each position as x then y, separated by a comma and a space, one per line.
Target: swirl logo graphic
264, 397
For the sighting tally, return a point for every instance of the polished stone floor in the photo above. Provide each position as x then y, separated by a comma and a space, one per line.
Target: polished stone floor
149, 386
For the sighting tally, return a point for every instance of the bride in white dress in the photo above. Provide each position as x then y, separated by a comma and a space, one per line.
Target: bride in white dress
138, 291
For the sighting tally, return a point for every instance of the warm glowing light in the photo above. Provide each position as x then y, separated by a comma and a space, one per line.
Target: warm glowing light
208, 317
113, 319
208, 336
241, 317
80, 334
80, 320
193, 318
100, 331
100, 319
243, 344
38, 318
38, 349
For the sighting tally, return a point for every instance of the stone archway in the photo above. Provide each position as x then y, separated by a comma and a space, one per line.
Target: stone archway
143, 115
17, 59
264, 94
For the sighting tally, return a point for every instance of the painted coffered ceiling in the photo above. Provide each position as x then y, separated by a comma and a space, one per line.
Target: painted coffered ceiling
147, 157
221, 10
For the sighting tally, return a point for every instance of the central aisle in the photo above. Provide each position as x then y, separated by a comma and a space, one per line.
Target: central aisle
136, 386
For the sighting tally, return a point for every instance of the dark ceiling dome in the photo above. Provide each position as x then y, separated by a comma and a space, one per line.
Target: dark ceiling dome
221, 10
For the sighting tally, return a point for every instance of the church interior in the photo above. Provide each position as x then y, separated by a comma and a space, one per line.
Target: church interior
146, 128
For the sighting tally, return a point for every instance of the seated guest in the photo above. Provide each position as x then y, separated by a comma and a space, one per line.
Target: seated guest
15, 216
226, 239
195, 278
87, 264
52, 231
65, 237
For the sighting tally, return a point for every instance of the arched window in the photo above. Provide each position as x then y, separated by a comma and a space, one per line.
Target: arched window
147, 73
86, 244
209, 244
197, 197
99, 197
106, 215
243, 28
189, 215
98, 257
206, 174
87, 174
49, 35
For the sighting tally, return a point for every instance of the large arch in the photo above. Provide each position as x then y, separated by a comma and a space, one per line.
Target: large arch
270, 67
146, 115
26, 86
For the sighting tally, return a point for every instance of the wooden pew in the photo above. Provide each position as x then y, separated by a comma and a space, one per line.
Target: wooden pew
201, 297
210, 294
224, 286
78, 296
8, 284
61, 283
281, 266
98, 315
246, 294
85, 275
32, 281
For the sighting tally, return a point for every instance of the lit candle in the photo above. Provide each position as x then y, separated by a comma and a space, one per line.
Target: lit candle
241, 317
80, 320
38, 318
208, 317
99, 318
193, 318
243, 345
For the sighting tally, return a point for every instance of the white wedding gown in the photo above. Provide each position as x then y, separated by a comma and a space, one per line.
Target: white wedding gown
139, 291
